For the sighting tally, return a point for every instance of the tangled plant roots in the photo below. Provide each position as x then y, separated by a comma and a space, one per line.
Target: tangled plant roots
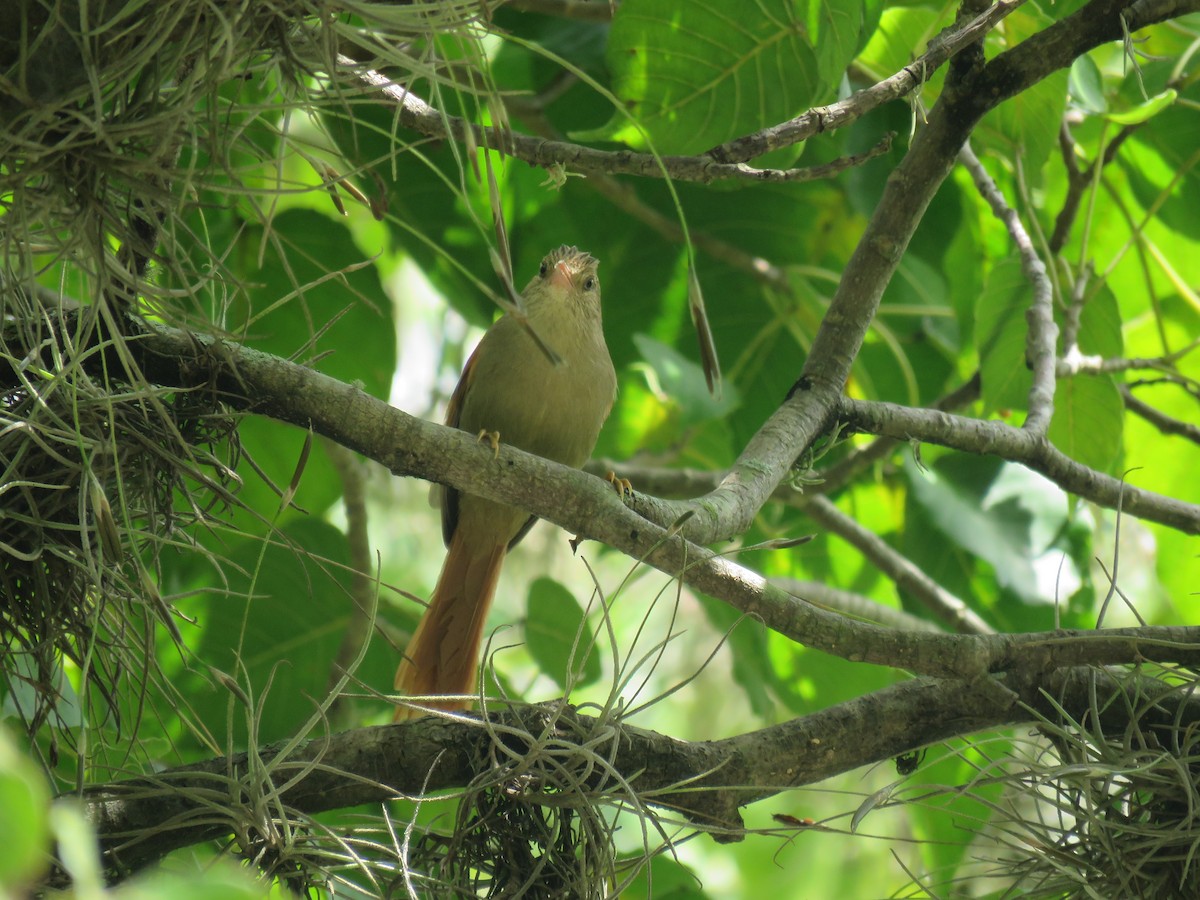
116, 119
537, 823
90, 472
1106, 806
1123, 816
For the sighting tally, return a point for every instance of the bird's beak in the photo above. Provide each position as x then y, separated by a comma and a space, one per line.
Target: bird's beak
561, 276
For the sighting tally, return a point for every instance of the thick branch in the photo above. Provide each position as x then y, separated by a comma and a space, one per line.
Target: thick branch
588, 507
141, 820
767, 458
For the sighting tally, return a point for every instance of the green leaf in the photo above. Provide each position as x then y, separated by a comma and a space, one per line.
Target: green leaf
1000, 334
287, 634
1100, 326
697, 74
1087, 85
312, 274
953, 496
835, 28
681, 383
1143, 112
558, 636
1089, 416
666, 879
1028, 123
948, 819
1159, 161
901, 29
24, 831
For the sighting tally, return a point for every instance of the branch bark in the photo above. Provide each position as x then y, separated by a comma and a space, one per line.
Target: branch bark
588, 507
141, 820
1019, 445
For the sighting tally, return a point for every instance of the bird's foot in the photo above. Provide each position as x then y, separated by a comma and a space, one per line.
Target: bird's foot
623, 486
493, 438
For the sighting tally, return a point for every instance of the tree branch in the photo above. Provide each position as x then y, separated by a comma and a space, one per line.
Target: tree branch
839, 115
1160, 420
1043, 332
141, 820
418, 115
769, 455
1017, 445
588, 507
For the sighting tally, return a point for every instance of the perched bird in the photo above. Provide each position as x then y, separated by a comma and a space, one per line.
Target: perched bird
511, 391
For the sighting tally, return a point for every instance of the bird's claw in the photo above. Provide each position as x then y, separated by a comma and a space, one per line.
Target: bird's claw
623, 486
493, 438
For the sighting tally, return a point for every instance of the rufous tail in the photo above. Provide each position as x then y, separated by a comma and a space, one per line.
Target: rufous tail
443, 655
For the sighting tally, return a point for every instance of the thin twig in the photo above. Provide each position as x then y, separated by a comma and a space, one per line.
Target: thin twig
1160, 420
415, 113
1043, 332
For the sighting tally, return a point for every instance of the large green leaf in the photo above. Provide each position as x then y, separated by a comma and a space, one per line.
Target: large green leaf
836, 30
900, 35
287, 634
558, 637
666, 878
24, 833
697, 74
1100, 326
312, 296
1160, 157
1089, 416
1000, 334
954, 495
1028, 124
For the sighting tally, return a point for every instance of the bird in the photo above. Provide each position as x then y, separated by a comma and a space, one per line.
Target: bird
510, 390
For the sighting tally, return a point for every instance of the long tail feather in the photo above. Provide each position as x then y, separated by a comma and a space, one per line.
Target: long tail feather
443, 655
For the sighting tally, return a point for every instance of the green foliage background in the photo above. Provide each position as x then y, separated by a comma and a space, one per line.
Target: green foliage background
304, 282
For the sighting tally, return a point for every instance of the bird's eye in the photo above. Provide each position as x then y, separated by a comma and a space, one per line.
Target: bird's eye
543, 268
589, 283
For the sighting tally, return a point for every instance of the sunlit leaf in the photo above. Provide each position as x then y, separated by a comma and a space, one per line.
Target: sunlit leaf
1000, 337
1088, 420
697, 74
1143, 112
